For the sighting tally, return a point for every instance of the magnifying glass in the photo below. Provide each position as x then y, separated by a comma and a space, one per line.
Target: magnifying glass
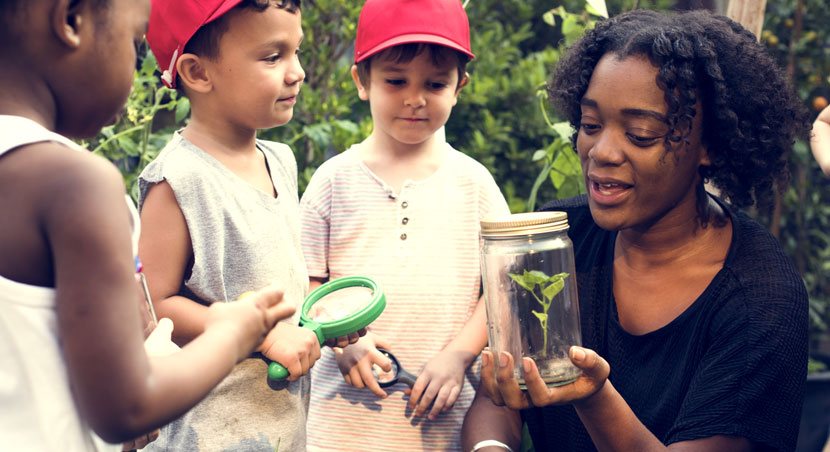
340, 307
397, 375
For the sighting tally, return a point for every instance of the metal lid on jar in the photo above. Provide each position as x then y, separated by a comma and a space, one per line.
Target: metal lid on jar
524, 223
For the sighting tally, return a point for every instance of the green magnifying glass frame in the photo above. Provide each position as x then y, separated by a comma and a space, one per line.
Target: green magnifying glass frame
340, 327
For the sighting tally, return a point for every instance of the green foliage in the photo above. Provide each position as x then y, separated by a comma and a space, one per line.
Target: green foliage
805, 207
134, 140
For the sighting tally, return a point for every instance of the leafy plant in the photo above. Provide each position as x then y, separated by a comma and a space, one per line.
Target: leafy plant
137, 136
543, 288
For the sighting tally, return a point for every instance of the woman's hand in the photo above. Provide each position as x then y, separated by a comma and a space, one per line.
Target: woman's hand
503, 389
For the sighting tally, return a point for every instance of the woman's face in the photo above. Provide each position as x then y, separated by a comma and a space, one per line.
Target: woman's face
632, 180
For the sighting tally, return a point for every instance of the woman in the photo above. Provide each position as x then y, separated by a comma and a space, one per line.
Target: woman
693, 319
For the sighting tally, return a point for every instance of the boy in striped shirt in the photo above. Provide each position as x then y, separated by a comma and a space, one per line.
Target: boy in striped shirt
402, 207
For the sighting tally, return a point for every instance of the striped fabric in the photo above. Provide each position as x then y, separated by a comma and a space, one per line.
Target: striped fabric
422, 246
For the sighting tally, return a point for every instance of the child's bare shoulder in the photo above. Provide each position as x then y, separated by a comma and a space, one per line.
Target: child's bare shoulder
53, 175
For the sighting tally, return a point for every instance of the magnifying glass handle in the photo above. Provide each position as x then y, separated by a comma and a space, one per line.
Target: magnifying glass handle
278, 372
406, 378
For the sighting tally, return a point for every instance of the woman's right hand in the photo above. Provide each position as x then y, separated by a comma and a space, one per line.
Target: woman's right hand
249, 318
500, 383
356, 361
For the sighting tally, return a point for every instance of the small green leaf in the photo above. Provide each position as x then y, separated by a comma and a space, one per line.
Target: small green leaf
553, 288
541, 316
563, 129
597, 8
536, 277
520, 280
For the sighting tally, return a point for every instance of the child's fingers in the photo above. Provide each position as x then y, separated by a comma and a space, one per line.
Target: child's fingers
453, 397
381, 360
427, 398
417, 391
278, 312
356, 380
440, 403
370, 381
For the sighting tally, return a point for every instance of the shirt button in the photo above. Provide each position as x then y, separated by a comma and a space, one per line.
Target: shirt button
405, 221
404, 204
403, 236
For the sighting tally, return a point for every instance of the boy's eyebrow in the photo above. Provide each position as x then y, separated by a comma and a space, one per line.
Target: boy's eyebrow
636, 112
279, 42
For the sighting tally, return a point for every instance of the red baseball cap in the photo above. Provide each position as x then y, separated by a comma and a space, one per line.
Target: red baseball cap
173, 23
388, 23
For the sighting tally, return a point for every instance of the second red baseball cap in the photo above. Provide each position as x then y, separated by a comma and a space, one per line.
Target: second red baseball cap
388, 23
173, 23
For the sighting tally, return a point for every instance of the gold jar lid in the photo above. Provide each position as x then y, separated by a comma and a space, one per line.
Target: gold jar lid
524, 224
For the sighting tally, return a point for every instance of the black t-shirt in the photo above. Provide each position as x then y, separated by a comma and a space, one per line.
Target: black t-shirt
733, 363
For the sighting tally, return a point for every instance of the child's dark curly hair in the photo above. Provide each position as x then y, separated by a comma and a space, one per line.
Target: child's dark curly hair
751, 117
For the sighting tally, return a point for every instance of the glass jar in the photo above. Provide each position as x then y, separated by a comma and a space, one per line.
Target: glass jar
529, 277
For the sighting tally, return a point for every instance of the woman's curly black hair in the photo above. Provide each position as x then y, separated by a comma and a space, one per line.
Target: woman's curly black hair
751, 116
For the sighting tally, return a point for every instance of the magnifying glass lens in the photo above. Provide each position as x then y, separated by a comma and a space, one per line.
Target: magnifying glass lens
384, 377
340, 304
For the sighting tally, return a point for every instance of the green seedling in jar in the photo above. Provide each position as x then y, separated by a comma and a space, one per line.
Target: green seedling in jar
548, 287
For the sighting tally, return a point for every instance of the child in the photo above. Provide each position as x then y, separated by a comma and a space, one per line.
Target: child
72, 364
694, 319
820, 140
403, 207
220, 208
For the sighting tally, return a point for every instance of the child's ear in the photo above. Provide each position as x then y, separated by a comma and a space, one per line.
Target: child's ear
68, 20
362, 93
463, 82
193, 74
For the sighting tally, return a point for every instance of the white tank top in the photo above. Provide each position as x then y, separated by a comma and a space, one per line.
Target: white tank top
37, 411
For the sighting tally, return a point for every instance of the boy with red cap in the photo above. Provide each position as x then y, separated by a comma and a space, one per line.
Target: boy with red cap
402, 207
220, 209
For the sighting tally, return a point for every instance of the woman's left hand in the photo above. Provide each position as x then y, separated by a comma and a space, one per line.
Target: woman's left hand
503, 389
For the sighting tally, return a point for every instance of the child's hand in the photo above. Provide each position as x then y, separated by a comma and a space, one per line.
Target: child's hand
439, 383
159, 343
343, 341
356, 361
250, 318
295, 347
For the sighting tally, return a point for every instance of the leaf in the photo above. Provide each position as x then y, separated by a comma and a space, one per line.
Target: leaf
536, 277
182, 108
549, 18
597, 8
553, 288
520, 280
563, 129
543, 317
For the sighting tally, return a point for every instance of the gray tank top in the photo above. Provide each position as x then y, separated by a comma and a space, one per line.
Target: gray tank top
243, 239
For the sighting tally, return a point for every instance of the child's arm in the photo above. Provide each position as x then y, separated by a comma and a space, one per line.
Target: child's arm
820, 140
441, 380
120, 392
166, 253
